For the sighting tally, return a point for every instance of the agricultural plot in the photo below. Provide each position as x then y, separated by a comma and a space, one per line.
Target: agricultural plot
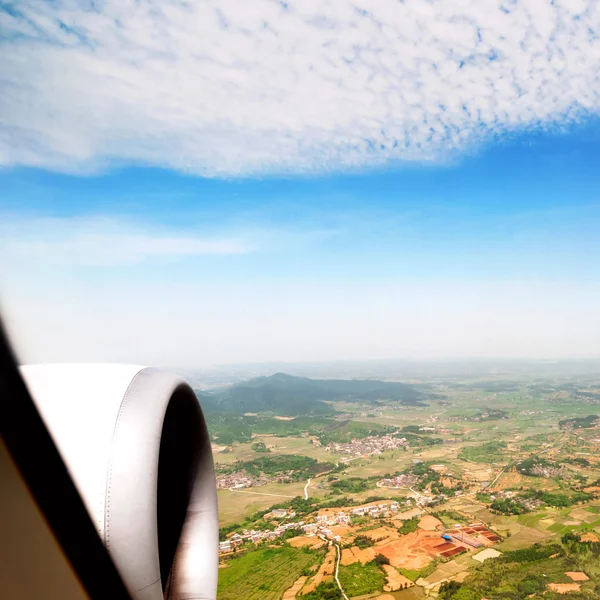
412, 593
357, 579
235, 506
444, 571
475, 450
264, 574
523, 539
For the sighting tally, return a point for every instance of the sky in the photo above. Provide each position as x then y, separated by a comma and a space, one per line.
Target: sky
184, 184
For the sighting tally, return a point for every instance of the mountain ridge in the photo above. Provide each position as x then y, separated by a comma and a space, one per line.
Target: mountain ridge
288, 395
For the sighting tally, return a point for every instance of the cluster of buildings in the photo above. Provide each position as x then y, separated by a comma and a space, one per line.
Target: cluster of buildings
548, 471
255, 536
371, 445
321, 528
238, 480
405, 480
376, 510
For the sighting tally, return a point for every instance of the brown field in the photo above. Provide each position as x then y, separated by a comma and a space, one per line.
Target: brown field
413, 550
301, 541
363, 556
382, 533
563, 588
430, 523
347, 557
394, 580
577, 575
507, 480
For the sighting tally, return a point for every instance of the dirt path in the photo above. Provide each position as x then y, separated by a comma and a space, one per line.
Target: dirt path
337, 567
306, 489
259, 493
491, 485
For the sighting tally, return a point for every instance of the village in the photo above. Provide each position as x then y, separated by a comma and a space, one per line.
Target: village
368, 446
337, 526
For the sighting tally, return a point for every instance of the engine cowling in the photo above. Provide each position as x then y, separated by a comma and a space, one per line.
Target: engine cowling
136, 445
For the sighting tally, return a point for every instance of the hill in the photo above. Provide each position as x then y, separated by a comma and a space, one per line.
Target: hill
287, 395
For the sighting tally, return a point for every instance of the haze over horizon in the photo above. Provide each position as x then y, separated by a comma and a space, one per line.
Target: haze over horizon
290, 182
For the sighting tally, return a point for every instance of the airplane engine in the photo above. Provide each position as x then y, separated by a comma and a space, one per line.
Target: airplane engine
136, 445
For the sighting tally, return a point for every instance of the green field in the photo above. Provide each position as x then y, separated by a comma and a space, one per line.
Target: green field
235, 506
357, 579
263, 574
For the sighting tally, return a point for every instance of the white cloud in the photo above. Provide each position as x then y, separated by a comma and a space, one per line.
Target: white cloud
101, 241
226, 87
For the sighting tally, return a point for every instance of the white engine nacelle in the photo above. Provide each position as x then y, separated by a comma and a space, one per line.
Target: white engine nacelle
136, 445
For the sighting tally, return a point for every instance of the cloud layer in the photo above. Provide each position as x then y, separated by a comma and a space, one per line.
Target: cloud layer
230, 88
103, 241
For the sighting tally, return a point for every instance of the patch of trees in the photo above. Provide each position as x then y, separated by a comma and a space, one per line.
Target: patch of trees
291, 533
494, 414
409, 526
415, 429
352, 485
533, 553
421, 440
324, 591
526, 466
260, 447
508, 506
557, 499
363, 541
579, 422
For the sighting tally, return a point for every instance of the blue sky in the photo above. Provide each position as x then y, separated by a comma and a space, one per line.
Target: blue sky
402, 211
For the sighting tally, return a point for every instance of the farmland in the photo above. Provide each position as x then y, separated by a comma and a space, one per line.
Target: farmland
264, 574
358, 579
517, 456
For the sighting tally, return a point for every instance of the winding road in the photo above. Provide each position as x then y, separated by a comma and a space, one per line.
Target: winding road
337, 567
306, 489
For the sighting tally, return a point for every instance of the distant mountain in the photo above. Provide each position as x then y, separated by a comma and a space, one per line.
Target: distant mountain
283, 394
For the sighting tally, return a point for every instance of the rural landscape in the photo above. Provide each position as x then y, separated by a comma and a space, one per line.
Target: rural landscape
454, 482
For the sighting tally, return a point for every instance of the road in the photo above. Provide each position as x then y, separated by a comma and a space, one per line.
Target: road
306, 489
337, 567
259, 493
491, 485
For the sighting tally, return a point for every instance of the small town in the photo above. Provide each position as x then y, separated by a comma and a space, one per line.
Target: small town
368, 446
239, 480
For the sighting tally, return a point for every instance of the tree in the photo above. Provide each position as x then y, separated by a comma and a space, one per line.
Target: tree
466, 593
380, 559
